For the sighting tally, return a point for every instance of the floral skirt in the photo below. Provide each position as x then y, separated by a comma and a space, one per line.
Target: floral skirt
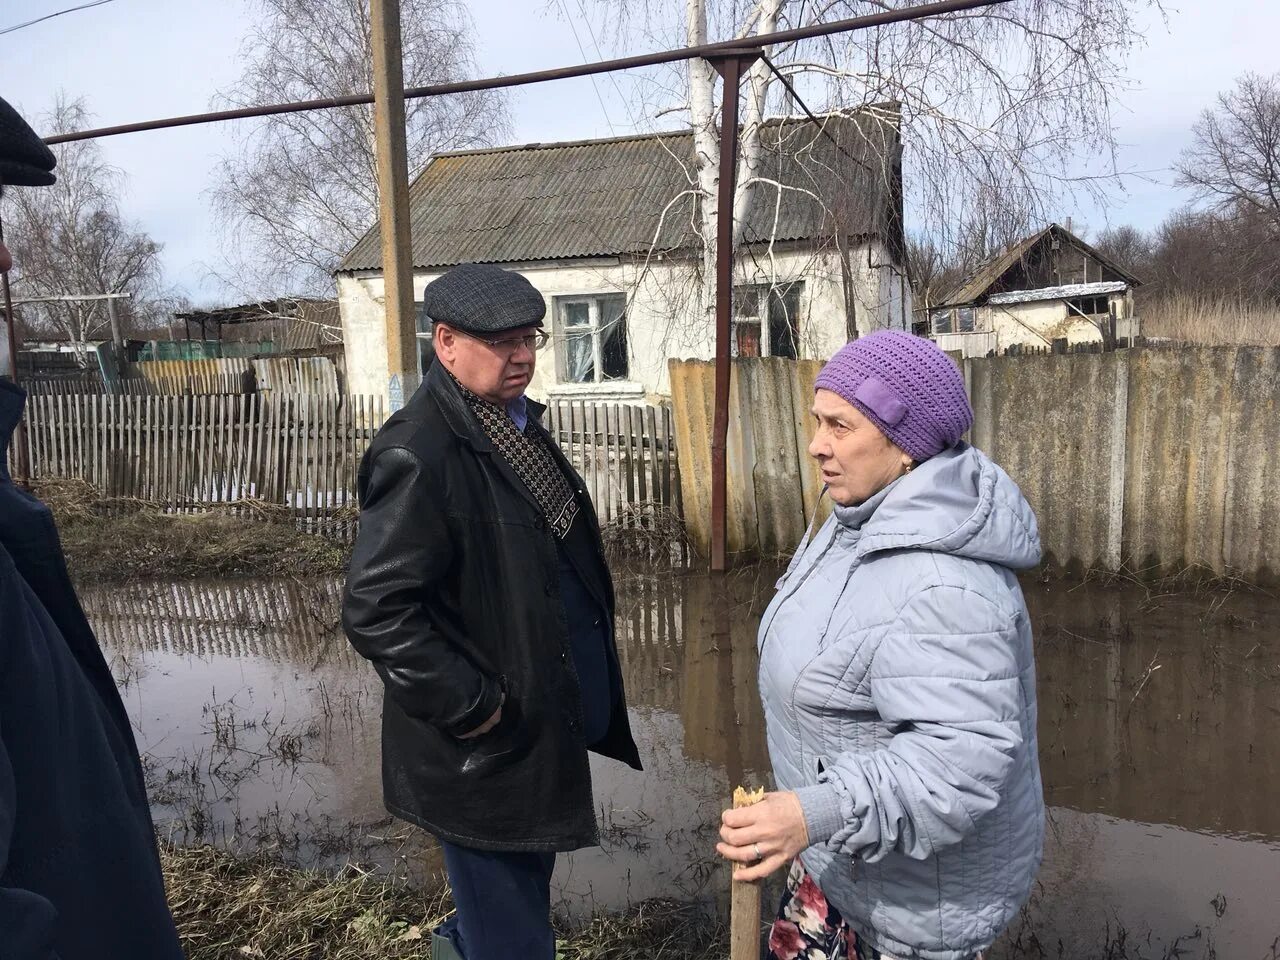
809, 928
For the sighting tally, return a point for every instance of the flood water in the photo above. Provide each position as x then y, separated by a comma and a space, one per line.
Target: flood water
1158, 720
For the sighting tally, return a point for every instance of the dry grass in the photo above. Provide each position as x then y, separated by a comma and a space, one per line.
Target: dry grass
107, 541
228, 908
1201, 320
647, 532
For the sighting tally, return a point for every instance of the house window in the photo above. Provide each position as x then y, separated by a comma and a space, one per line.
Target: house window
766, 320
592, 333
426, 348
1089, 306
959, 320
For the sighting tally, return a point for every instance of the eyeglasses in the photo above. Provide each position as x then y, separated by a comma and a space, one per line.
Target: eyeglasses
532, 341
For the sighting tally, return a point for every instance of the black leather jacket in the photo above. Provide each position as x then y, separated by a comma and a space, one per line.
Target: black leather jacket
453, 594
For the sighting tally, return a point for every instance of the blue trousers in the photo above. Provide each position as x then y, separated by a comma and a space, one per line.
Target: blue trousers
504, 904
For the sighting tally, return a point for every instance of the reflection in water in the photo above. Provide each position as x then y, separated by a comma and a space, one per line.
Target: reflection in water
1161, 710
1156, 716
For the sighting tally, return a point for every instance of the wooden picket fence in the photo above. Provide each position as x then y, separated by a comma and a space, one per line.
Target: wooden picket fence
302, 451
626, 454
188, 453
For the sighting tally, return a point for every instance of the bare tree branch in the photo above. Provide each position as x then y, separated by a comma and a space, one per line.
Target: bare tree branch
300, 189
70, 239
1234, 159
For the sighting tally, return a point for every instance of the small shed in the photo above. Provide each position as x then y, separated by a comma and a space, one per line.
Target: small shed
288, 325
1046, 287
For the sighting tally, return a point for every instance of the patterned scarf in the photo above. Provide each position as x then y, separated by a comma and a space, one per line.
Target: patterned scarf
529, 456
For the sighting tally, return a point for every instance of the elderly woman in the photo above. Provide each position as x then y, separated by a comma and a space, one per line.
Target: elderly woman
898, 681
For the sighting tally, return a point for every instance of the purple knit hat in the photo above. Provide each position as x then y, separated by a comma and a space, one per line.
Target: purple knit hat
906, 386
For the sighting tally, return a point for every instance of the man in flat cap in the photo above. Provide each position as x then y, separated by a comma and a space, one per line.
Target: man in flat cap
79, 871
479, 590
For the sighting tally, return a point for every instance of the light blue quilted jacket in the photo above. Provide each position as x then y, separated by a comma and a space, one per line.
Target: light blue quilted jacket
898, 681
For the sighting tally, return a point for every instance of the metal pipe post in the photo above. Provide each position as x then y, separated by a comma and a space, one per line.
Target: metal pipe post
403, 371
708, 50
730, 70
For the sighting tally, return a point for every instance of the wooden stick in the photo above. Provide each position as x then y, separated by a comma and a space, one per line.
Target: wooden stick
744, 899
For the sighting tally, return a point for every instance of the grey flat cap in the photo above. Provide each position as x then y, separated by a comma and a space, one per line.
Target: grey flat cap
481, 298
24, 159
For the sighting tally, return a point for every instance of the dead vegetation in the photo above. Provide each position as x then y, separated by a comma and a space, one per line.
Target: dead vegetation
647, 532
228, 907
1210, 321
108, 540
113, 539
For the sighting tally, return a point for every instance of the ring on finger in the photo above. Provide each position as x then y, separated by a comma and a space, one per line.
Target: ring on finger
756, 847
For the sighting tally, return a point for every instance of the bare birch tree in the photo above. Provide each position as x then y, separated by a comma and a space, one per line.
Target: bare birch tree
1004, 111
301, 188
70, 239
1234, 159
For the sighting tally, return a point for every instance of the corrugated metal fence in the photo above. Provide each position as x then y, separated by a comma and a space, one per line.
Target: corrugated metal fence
292, 375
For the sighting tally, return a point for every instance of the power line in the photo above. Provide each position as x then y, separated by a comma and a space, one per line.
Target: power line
917, 12
582, 50
50, 16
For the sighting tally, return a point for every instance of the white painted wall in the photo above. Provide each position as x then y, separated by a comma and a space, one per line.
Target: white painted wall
662, 320
1039, 323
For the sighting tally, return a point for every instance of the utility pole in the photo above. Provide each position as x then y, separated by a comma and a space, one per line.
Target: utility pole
403, 372
117, 340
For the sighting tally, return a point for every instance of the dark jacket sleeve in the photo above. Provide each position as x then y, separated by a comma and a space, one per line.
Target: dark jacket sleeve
27, 920
402, 552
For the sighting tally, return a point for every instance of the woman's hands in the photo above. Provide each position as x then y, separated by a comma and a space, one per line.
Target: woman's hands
772, 832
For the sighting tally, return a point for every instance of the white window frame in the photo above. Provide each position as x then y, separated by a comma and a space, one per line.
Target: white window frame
763, 292
424, 335
958, 320
594, 302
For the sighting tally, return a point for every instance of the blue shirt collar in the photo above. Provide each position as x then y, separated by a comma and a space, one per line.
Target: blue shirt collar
518, 411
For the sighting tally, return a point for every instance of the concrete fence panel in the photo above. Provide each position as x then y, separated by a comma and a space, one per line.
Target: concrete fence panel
1055, 424
1202, 469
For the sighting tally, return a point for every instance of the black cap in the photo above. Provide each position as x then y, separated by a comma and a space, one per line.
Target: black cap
24, 159
482, 298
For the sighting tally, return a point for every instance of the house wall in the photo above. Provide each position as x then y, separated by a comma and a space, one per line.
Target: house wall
1039, 323
662, 315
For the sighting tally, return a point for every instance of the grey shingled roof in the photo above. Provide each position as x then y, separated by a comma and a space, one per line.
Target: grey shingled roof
606, 197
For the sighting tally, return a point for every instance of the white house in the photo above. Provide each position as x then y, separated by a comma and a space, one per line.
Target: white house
606, 230
1048, 286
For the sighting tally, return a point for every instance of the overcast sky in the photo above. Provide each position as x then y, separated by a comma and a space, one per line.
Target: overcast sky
141, 59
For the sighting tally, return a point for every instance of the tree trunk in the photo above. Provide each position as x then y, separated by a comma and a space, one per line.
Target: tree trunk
702, 80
